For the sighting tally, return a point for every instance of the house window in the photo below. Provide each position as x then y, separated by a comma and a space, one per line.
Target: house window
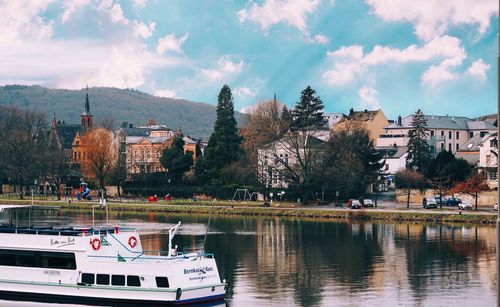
442, 133
135, 154
149, 154
142, 154
493, 176
442, 146
286, 158
493, 143
457, 147
458, 135
449, 147
471, 134
483, 133
450, 135
158, 154
432, 133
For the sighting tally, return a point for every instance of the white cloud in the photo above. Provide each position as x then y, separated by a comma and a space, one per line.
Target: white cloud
248, 109
350, 62
432, 18
318, 38
368, 96
143, 30
70, 7
243, 91
225, 67
291, 12
71, 64
171, 43
21, 20
167, 93
140, 3
478, 69
116, 14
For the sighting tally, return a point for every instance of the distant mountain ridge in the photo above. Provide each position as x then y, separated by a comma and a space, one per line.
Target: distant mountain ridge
133, 106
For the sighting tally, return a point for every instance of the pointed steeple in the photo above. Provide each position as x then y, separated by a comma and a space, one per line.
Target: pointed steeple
274, 97
87, 104
86, 115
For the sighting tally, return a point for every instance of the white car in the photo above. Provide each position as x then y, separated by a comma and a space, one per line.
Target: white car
495, 207
368, 203
465, 205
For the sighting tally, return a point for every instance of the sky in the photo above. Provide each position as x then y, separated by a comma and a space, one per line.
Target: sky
398, 55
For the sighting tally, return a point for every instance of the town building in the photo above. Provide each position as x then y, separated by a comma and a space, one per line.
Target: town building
488, 159
277, 158
394, 157
444, 132
373, 121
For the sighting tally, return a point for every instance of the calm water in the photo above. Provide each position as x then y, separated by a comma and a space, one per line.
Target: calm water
278, 262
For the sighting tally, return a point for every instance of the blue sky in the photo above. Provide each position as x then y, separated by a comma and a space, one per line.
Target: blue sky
396, 55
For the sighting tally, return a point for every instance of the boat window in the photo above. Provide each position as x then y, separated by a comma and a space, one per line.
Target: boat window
102, 279
162, 282
53, 260
118, 280
133, 281
50, 260
88, 278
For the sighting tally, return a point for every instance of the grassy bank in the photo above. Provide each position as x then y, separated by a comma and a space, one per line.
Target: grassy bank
243, 209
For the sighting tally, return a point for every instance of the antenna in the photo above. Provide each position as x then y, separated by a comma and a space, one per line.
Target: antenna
171, 234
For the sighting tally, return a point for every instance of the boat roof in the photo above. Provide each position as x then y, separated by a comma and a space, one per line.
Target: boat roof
3, 207
66, 231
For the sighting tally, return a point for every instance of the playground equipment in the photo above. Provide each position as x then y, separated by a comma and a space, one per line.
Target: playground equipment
242, 195
168, 198
84, 192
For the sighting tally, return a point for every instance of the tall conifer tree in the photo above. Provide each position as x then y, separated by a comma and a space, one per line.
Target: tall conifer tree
419, 152
224, 145
308, 112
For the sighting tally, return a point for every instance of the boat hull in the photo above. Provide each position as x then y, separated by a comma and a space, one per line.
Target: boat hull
100, 301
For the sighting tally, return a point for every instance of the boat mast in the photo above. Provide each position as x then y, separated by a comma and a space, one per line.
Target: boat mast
171, 234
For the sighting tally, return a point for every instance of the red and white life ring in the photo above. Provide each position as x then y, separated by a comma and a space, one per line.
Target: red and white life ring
132, 241
96, 243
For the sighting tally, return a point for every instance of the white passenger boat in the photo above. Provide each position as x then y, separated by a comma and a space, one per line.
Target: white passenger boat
100, 266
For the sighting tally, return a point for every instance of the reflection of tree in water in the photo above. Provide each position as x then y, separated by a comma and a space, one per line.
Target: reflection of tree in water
440, 256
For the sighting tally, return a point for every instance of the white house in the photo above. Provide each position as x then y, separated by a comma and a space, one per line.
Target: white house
488, 159
395, 158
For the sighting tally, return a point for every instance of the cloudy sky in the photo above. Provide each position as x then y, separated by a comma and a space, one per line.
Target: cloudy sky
398, 55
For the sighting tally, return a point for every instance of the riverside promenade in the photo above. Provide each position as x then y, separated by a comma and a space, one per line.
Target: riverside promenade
385, 210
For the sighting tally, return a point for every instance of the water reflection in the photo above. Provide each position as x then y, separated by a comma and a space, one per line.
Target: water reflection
274, 261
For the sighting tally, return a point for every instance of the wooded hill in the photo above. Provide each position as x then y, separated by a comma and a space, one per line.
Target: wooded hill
128, 105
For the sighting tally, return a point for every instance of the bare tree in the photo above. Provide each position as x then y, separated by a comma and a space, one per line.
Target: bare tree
22, 142
100, 155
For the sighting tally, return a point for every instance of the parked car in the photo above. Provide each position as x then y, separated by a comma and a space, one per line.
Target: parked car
368, 202
453, 201
429, 202
495, 207
465, 205
355, 204
440, 201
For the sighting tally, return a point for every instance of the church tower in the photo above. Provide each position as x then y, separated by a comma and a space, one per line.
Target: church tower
86, 115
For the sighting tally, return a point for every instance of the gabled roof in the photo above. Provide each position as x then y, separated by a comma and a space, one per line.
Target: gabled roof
188, 140
472, 144
444, 122
67, 133
308, 140
393, 152
136, 131
363, 116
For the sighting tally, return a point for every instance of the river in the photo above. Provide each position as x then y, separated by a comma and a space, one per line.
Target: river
289, 262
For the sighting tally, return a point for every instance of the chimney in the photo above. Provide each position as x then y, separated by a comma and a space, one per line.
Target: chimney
399, 121
366, 111
351, 112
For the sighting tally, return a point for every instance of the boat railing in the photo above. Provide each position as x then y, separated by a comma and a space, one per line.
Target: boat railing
62, 231
184, 255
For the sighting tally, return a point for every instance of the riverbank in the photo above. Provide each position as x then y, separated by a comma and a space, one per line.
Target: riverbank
256, 209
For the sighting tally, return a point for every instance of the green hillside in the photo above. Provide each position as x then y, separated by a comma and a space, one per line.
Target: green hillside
121, 104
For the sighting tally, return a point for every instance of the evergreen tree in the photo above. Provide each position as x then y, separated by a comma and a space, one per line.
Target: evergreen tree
419, 153
175, 161
224, 143
308, 112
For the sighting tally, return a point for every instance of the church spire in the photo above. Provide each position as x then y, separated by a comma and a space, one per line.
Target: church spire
86, 115
275, 97
54, 123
